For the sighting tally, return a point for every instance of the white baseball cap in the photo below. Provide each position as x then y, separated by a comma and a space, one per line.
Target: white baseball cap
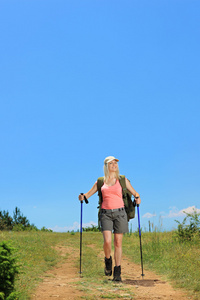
109, 159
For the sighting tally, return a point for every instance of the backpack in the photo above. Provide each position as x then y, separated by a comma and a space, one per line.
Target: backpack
128, 203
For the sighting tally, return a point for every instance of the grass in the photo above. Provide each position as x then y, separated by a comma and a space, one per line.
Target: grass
179, 262
35, 256
163, 253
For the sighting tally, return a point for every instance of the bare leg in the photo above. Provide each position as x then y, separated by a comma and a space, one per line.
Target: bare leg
107, 235
118, 248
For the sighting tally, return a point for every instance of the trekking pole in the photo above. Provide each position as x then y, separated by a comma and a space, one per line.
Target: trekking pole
86, 201
140, 238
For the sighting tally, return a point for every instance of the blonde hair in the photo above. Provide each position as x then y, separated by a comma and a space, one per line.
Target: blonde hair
107, 173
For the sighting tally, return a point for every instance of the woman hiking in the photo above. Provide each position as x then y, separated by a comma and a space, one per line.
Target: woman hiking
113, 216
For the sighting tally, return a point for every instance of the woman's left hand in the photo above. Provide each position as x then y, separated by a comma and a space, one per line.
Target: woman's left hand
137, 200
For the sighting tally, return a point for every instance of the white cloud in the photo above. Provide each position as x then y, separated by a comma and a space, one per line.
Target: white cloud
174, 212
90, 224
74, 227
148, 215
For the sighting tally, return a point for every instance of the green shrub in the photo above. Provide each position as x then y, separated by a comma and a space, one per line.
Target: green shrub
186, 232
92, 228
8, 271
46, 229
2, 296
21, 227
13, 296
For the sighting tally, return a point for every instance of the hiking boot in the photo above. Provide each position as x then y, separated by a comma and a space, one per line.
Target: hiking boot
117, 273
108, 266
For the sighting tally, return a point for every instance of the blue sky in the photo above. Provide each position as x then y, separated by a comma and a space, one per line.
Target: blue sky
81, 80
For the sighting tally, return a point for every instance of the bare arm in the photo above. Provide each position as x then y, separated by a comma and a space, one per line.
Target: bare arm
133, 191
90, 193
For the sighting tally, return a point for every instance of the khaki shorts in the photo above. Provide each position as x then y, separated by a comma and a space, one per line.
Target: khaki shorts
114, 220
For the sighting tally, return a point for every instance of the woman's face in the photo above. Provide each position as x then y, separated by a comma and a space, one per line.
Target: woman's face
112, 166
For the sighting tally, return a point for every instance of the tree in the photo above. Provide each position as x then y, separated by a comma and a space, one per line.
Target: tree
19, 219
6, 221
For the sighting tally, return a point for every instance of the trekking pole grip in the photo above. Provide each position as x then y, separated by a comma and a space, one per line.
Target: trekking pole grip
135, 201
86, 200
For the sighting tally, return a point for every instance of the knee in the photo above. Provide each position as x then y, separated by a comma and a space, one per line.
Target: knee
107, 243
118, 243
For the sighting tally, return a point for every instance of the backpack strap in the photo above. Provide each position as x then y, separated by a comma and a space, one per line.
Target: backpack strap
100, 182
123, 185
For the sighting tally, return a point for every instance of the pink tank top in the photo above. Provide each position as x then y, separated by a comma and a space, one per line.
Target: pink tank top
112, 196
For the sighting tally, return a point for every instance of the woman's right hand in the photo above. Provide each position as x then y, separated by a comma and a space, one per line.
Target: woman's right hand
88, 194
81, 197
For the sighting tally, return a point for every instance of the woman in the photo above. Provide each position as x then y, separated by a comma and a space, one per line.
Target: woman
113, 215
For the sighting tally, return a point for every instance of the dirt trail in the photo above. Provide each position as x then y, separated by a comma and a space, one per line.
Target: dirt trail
60, 282
151, 286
